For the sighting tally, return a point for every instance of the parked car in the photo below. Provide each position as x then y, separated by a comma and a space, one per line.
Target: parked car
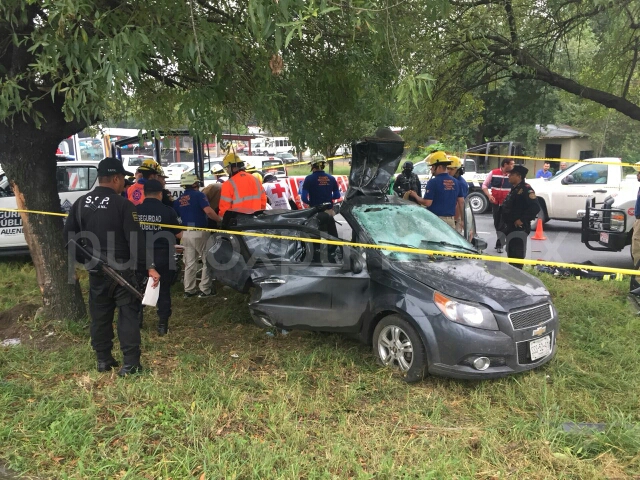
132, 162
422, 314
174, 170
286, 157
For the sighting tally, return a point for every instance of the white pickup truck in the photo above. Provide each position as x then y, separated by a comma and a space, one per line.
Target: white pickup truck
563, 196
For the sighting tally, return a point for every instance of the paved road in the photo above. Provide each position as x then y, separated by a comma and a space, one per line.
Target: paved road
562, 245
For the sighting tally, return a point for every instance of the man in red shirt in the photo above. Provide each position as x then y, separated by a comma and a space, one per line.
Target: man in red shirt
498, 181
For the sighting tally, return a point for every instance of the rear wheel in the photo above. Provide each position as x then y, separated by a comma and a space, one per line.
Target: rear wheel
479, 202
396, 344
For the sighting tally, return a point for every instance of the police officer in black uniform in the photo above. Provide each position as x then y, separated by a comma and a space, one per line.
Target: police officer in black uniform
407, 181
107, 223
160, 242
518, 211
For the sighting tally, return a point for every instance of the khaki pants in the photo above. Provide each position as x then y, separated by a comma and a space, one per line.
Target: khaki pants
450, 221
635, 242
194, 244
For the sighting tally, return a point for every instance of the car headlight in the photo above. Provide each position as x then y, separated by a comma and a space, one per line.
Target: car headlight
465, 313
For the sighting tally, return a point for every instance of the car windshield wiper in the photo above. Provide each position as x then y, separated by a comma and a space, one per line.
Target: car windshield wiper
399, 245
448, 244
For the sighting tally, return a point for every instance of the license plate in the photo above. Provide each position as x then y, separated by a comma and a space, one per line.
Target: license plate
604, 237
540, 348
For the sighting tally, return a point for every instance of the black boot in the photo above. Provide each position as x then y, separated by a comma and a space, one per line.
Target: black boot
130, 369
106, 361
163, 327
634, 286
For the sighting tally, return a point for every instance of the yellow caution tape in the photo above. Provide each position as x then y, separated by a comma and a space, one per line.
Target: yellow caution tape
418, 251
544, 159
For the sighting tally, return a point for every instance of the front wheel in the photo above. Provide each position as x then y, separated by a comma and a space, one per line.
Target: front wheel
479, 202
396, 344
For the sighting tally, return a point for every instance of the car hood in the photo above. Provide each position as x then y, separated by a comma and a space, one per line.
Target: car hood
374, 160
496, 285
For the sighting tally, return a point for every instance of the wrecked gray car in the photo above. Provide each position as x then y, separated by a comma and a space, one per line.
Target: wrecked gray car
434, 314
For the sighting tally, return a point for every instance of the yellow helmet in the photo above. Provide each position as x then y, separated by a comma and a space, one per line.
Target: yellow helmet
187, 179
437, 158
231, 158
149, 166
160, 172
258, 176
455, 162
636, 167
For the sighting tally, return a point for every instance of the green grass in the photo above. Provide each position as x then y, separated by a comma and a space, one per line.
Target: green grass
224, 400
340, 167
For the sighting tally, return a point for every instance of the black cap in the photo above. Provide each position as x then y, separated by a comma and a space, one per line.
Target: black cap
520, 170
269, 177
111, 166
408, 165
152, 186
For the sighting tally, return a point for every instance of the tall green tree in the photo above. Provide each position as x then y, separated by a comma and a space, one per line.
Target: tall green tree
64, 65
588, 48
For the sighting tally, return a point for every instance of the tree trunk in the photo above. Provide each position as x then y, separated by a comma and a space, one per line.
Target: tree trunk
28, 157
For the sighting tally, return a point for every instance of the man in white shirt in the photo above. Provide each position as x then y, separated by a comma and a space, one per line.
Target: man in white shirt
278, 193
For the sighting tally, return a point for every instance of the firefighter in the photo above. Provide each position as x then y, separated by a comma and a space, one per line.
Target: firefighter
519, 209
498, 181
148, 171
242, 192
442, 193
407, 181
319, 188
456, 171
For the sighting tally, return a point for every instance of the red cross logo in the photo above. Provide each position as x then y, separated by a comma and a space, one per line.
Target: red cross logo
278, 190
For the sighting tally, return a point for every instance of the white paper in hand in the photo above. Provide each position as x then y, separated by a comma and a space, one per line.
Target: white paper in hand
151, 294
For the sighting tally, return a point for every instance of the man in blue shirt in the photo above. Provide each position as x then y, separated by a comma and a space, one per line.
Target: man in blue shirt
456, 170
319, 187
442, 192
544, 172
193, 208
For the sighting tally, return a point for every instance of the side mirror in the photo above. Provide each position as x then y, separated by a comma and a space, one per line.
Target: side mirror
479, 243
567, 180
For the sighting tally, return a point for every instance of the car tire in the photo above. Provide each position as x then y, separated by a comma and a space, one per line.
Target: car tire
391, 332
479, 202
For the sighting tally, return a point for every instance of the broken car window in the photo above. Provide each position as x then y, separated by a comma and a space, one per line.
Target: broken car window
409, 225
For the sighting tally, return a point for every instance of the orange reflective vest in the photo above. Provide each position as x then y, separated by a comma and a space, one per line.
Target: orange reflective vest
242, 193
135, 193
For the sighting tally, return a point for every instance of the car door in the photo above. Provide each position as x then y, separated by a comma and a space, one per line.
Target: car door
586, 181
314, 293
296, 283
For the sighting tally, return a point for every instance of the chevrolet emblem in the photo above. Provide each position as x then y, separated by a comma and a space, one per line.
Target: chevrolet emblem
539, 331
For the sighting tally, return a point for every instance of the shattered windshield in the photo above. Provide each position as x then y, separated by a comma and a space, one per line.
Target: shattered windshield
409, 226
